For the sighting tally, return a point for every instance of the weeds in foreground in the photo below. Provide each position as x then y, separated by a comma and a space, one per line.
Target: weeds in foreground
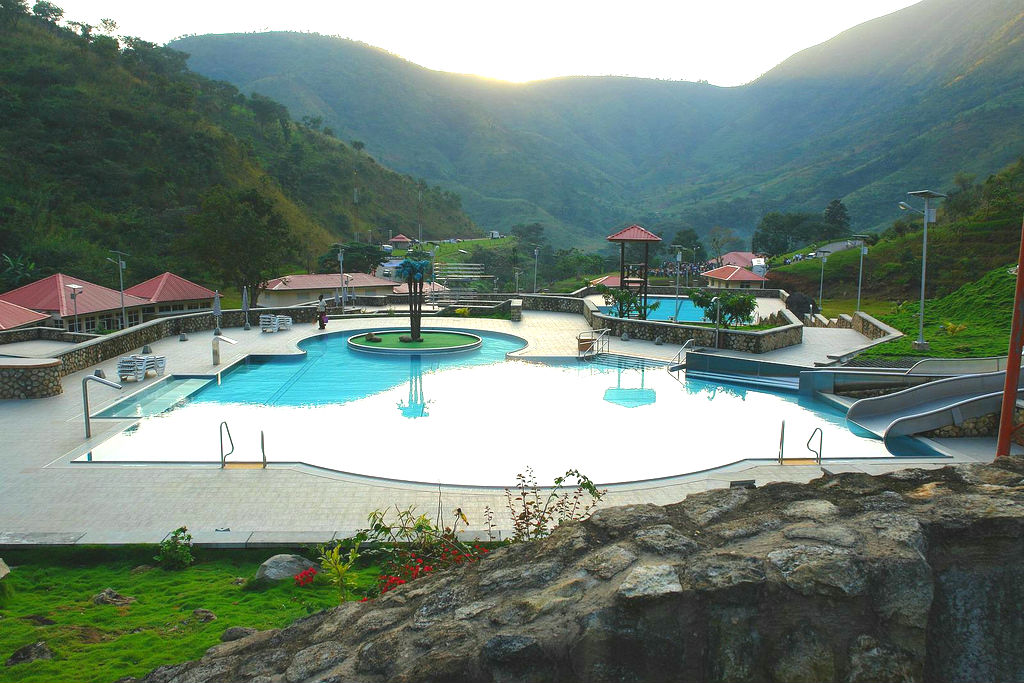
535, 515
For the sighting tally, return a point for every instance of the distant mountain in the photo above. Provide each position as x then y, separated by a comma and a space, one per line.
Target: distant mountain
105, 146
898, 103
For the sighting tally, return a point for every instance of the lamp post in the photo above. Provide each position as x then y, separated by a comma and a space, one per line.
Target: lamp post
718, 316
679, 263
929, 217
860, 272
821, 280
75, 291
341, 273
536, 256
120, 277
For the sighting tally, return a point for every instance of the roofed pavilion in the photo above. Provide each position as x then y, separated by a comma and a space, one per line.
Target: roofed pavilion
634, 276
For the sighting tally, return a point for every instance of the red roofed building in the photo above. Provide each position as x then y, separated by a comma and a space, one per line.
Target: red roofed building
170, 293
400, 241
743, 259
733, 277
299, 289
13, 316
96, 306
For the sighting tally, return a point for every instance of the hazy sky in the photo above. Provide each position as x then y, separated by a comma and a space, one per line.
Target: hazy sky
727, 42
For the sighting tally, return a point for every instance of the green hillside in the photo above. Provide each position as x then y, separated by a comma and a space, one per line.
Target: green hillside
978, 229
107, 145
901, 102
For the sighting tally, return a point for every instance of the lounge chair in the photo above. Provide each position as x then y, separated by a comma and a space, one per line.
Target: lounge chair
131, 366
269, 323
284, 322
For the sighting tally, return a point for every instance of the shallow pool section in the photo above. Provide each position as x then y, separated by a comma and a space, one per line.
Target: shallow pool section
666, 309
482, 422
156, 398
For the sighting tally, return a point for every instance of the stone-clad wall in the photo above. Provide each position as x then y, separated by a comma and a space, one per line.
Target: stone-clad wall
754, 341
872, 328
49, 333
36, 380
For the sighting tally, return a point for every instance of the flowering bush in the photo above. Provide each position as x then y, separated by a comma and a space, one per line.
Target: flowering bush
305, 577
176, 550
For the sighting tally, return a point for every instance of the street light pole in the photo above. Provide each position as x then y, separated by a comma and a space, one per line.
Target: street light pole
929, 217
536, 255
341, 274
120, 278
679, 264
718, 317
75, 291
821, 281
860, 272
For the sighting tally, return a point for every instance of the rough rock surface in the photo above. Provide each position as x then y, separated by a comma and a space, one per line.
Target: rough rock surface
29, 653
4, 569
109, 596
281, 567
916, 575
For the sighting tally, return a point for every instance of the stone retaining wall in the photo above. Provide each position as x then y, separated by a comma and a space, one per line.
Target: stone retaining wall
983, 425
36, 380
753, 341
47, 333
872, 328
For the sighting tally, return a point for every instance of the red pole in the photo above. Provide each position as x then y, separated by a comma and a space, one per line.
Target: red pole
1013, 358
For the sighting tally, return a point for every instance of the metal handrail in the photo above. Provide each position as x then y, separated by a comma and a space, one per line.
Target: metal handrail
782, 439
685, 348
592, 342
223, 456
85, 398
821, 443
263, 450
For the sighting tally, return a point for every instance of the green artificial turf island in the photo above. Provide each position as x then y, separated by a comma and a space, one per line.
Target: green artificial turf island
52, 601
430, 340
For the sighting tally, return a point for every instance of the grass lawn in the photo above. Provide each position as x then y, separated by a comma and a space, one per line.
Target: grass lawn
431, 340
52, 601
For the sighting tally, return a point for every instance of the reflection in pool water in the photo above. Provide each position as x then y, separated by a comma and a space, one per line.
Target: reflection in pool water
482, 424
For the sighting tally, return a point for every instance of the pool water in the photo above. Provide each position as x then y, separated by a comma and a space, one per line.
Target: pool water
666, 309
478, 419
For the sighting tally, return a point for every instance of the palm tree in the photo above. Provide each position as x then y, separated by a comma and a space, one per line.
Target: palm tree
414, 273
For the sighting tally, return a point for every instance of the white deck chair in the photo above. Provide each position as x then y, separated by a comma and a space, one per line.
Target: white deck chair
131, 366
284, 322
268, 323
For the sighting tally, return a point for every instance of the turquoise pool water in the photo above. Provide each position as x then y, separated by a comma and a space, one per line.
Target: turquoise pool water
667, 309
479, 419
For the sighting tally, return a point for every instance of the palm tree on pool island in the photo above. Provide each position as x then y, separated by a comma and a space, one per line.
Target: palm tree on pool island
414, 273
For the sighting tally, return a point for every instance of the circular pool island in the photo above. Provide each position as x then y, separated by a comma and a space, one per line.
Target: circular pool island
430, 341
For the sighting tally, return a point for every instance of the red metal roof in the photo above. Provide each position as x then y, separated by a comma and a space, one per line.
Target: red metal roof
325, 281
51, 295
606, 280
399, 238
634, 233
733, 274
13, 315
169, 287
743, 259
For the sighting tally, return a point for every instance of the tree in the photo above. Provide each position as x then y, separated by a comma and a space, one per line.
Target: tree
16, 271
242, 237
47, 11
687, 237
837, 219
12, 10
359, 258
730, 308
626, 302
357, 145
529, 235
723, 240
414, 272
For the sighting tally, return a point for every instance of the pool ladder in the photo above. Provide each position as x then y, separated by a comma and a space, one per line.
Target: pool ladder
817, 453
224, 429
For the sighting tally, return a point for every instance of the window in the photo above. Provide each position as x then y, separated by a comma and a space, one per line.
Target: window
133, 318
90, 324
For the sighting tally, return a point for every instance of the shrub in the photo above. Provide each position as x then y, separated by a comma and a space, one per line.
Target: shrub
535, 516
176, 550
336, 566
464, 312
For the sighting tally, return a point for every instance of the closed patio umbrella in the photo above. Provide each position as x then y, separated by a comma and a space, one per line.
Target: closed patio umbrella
245, 306
216, 311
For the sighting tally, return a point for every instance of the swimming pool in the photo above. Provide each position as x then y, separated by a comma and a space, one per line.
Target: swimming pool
667, 309
476, 418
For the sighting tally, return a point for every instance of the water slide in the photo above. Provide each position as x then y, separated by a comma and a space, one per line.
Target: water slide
930, 406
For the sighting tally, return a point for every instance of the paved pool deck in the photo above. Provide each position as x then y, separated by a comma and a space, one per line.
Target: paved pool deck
45, 499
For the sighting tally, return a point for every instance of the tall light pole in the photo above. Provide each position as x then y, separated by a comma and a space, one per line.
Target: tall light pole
929, 217
679, 264
860, 272
536, 257
821, 280
120, 277
75, 291
341, 274
718, 316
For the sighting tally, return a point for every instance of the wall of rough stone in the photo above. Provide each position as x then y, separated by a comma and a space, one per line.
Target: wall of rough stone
871, 327
912, 576
756, 341
48, 333
36, 381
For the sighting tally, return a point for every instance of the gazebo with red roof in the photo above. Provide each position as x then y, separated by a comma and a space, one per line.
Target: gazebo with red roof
400, 241
636, 278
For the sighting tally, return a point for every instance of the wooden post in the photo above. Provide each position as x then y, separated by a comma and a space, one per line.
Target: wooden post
1012, 359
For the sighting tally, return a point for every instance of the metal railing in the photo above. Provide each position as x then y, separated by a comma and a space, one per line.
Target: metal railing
223, 456
85, 397
592, 342
821, 443
677, 359
263, 450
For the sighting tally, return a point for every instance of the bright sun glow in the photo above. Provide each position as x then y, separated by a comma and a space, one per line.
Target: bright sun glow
727, 43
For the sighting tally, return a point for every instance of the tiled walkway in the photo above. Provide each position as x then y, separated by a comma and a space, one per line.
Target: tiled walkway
46, 499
